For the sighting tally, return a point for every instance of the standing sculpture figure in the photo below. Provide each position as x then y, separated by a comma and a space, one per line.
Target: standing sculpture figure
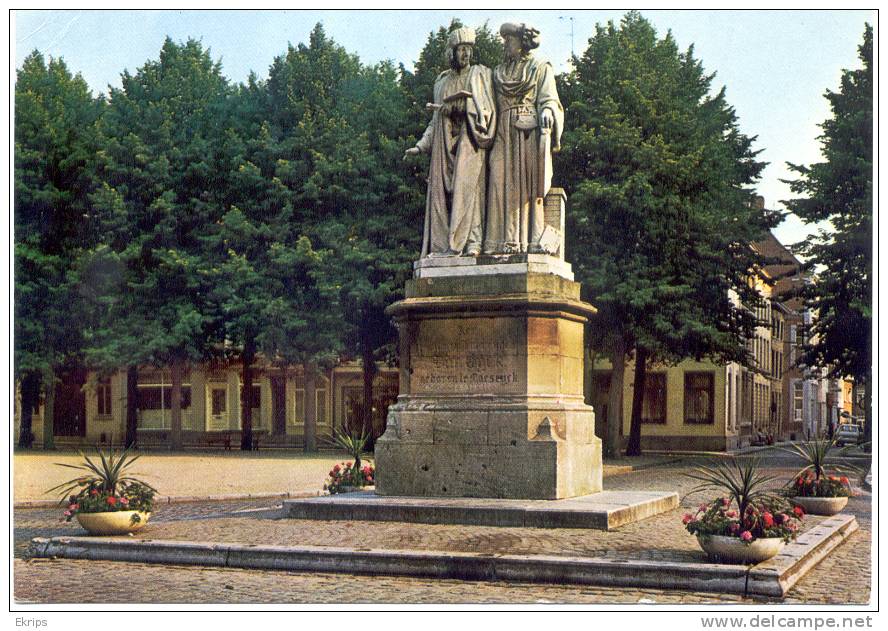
530, 121
461, 131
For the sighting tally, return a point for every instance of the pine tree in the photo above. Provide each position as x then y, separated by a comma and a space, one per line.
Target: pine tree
839, 190
165, 157
661, 216
55, 148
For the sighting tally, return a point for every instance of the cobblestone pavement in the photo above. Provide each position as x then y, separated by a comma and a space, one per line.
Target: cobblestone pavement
843, 577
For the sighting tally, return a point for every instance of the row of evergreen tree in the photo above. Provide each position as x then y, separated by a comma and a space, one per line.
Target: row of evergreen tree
185, 218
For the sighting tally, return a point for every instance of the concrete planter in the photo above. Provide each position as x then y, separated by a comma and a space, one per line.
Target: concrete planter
820, 505
112, 523
733, 550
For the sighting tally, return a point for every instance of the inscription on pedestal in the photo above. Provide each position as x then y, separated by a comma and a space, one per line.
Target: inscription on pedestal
463, 363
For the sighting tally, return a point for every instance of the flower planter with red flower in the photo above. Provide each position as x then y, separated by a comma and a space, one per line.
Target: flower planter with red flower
813, 488
348, 478
108, 502
826, 495
759, 534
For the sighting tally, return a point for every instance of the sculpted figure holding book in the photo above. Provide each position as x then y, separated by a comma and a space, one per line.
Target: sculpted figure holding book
457, 138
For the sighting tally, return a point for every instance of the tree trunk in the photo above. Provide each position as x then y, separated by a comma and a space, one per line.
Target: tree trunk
310, 426
49, 411
634, 446
176, 369
615, 399
30, 390
249, 356
368, 366
132, 406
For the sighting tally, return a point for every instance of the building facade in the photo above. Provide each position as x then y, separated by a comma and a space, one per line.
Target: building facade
91, 409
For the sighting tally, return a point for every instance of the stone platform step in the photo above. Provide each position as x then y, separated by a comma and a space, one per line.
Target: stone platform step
602, 511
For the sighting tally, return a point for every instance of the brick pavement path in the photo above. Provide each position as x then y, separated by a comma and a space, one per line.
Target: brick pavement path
841, 578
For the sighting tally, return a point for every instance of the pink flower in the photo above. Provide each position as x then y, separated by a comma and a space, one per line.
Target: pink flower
688, 518
336, 468
348, 466
67, 513
746, 535
725, 501
731, 513
702, 507
124, 501
73, 507
734, 528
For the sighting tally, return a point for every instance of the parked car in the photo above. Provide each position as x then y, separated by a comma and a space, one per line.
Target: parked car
848, 434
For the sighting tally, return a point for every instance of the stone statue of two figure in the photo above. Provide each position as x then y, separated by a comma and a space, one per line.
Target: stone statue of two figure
490, 141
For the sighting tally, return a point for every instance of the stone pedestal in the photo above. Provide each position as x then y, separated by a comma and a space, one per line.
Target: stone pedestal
491, 383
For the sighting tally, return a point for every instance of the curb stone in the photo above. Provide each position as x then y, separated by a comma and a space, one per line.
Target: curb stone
771, 578
181, 499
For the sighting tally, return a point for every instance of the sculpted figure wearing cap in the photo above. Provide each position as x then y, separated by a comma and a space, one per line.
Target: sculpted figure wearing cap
458, 137
530, 121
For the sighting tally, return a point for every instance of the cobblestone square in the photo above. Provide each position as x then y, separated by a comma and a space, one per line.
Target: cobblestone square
842, 578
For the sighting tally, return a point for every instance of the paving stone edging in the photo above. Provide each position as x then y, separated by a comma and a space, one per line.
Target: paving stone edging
776, 576
772, 578
182, 499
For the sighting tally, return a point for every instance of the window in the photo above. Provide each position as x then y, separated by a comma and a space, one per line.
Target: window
321, 405
698, 397
653, 409
797, 399
160, 397
257, 396
103, 397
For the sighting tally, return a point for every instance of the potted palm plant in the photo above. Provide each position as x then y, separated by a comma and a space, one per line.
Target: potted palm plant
816, 490
350, 476
749, 524
106, 499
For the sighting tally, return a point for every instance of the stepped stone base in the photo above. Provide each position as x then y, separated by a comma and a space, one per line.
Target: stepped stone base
602, 511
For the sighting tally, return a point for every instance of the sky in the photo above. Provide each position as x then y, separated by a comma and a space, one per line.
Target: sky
775, 65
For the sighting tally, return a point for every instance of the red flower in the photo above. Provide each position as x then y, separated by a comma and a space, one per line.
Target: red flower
746, 535
844, 479
111, 500
731, 513
725, 501
94, 492
768, 520
336, 468
798, 512
688, 518
73, 507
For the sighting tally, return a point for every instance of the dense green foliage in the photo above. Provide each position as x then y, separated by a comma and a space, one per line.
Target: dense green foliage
55, 147
661, 211
840, 190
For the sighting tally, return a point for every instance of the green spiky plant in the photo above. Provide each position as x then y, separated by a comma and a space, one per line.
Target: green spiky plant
108, 475
743, 482
353, 444
813, 479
